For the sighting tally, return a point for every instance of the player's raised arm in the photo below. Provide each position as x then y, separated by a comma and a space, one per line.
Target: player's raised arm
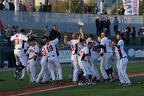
81, 34
65, 38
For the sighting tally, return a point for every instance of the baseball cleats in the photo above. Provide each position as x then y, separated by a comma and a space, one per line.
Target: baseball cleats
61, 82
53, 82
127, 84
75, 83
16, 75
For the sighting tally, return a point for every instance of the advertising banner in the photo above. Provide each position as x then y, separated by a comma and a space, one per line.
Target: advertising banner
131, 7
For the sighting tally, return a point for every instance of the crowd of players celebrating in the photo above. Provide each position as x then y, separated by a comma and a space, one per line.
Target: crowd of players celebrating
30, 55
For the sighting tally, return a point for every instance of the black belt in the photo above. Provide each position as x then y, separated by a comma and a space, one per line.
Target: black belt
19, 48
51, 56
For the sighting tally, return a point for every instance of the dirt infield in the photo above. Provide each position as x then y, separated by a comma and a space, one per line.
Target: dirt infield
24, 92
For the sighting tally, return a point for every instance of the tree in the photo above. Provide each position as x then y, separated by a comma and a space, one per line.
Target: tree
141, 9
60, 6
77, 6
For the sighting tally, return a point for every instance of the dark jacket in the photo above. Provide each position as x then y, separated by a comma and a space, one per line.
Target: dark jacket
49, 7
54, 34
97, 22
1, 6
133, 34
12, 6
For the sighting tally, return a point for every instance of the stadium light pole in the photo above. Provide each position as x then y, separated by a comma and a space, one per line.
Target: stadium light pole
69, 6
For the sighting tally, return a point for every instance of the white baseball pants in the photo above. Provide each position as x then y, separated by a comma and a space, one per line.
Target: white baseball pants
53, 64
104, 65
122, 71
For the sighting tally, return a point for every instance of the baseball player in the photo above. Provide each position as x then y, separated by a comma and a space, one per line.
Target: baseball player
44, 65
123, 61
116, 58
84, 61
19, 51
26, 46
32, 56
53, 62
106, 53
74, 51
94, 56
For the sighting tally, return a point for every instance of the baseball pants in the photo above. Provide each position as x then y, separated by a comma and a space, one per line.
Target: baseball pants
83, 67
122, 71
75, 66
20, 57
93, 60
31, 70
53, 64
104, 65
43, 68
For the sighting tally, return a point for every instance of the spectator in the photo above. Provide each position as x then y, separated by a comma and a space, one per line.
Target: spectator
101, 22
97, 23
24, 6
107, 26
11, 5
54, 33
44, 7
32, 8
128, 31
49, 7
141, 35
16, 30
21, 8
122, 33
41, 7
127, 35
105, 12
86, 9
116, 24
1, 5
9, 33
6, 5
133, 34
89, 10
1, 26
97, 10
46, 31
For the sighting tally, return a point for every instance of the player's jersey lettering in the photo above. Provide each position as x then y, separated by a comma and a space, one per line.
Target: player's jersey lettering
16, 41
49, 48
44, 52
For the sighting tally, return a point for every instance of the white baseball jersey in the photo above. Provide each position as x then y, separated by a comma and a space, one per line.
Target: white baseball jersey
121, 44
82, 53
116, 53
107, 43
18, 40
51, 47
74, 46
94, 48
80, 47
44, 51
33, 51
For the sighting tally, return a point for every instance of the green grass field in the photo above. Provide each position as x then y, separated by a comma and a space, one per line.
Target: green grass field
100, 89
